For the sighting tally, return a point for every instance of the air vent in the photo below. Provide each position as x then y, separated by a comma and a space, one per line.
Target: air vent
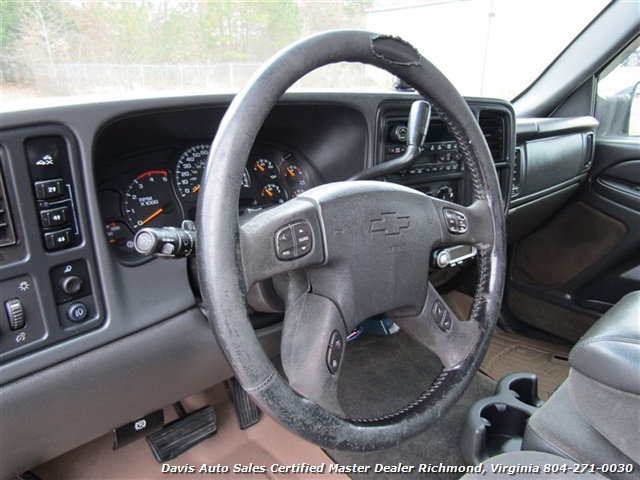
517, 173
492, 127
7, 233
589, 151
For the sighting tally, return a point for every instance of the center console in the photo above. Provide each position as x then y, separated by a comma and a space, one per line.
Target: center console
439, 170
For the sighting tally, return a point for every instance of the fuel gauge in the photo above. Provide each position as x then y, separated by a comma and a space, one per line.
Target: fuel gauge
295, 175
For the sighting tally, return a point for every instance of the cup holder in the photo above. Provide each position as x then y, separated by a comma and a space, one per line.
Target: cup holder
523, 387
505, 426
497, 424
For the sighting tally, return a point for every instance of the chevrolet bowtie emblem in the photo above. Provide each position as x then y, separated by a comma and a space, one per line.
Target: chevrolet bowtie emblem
391, 223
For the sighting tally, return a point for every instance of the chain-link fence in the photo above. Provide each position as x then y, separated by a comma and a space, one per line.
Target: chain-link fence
83, 79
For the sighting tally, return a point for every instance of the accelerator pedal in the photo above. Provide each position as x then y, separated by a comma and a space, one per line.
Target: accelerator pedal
180, 435
246, 411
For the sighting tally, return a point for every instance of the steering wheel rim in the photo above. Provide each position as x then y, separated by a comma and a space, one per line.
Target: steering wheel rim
225, 245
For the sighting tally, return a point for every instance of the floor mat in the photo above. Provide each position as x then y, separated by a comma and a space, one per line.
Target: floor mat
382, 374
511, 353
263, 444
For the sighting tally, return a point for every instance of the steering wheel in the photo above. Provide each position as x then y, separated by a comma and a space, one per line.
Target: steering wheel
344, 252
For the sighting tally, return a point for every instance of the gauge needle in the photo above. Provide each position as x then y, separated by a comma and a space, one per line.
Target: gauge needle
196, 189
260, 167
268, 192
291, 171
152, 216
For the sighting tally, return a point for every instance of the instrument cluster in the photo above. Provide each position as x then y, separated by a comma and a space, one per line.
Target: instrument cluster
164, 192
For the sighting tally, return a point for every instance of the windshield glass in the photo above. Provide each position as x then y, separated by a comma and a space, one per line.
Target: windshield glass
141, 48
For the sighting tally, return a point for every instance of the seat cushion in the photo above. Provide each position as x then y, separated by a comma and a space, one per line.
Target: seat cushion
560, 429
610, 350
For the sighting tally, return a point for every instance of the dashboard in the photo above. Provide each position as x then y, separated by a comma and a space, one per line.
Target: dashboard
79, 182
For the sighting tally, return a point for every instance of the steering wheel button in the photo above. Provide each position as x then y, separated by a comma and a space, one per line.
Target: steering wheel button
456, 221
333, 361
285, 236
286, 254
285, 244
336, 343
301, 230
445, 322
302, 248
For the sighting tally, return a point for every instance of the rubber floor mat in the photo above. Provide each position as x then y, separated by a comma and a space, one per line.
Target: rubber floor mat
510, 353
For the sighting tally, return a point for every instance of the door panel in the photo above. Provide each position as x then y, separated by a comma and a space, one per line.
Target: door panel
586, 257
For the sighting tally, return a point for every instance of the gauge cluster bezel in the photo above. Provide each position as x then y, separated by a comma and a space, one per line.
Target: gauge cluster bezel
287, 173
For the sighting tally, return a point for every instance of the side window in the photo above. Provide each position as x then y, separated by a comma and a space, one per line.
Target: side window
618, 101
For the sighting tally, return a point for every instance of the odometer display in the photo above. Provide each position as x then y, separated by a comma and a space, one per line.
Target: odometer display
189, 171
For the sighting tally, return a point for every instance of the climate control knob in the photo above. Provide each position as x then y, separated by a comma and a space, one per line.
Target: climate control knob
399, 134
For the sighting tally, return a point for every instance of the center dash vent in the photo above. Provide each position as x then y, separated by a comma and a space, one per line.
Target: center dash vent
7, 233
492, 127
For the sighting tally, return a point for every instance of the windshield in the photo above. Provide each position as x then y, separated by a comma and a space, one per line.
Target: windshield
142, 48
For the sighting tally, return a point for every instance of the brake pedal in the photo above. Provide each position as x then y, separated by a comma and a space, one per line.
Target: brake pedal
246, 411
180, 435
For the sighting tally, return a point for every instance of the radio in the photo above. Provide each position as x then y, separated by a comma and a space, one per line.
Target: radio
440, 153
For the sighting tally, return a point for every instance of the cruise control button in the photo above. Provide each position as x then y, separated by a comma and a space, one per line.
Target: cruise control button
333, 361
336, 342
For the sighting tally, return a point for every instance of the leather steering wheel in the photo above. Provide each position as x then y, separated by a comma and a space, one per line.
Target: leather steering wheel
344, 252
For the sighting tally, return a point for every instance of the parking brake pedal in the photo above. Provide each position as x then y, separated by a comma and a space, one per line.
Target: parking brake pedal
180, 435
246, 411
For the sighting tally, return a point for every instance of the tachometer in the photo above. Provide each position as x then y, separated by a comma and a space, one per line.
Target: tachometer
189, 171
149, 201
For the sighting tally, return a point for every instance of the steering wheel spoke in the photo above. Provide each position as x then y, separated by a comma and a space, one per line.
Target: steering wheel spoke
279, 240
314, 340
472, 225
439, 328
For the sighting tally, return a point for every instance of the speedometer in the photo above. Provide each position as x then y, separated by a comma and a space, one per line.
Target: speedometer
189, 171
